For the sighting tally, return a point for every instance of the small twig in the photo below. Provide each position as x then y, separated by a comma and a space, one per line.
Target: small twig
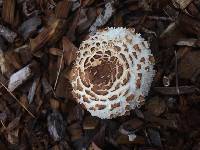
17, 100
160, 18
149, 31
5, 83
176, 70
58, 73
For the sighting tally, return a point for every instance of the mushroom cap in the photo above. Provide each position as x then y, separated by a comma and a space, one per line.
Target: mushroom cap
113, 72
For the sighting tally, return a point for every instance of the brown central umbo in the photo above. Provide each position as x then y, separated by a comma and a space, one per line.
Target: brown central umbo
101, 74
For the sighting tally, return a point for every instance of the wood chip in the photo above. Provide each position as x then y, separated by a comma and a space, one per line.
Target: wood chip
173, 90
62, 9
70, 50
56, 126
46, 86
156, 106
189, 25
130, 126
169, 123
8, 12
9, 35
75, 131
181, 4
48, 35
55, 51
124, 139
29, 27
90, 123
103, 18
3, 65
21, 76
32, 90
55, 104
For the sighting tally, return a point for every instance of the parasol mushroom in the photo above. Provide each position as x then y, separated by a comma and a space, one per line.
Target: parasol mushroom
113, 72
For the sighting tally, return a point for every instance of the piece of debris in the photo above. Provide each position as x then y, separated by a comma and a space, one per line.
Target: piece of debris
56, 126
9, 35
29, 27
21, 76
103, 18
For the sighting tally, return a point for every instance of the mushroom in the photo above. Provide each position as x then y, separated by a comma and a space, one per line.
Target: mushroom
113, 72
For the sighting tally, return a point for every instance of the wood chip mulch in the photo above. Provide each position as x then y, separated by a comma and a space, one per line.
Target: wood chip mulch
38, 42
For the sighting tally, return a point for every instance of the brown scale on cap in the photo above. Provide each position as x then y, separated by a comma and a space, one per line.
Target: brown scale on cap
134, 54
115, 105
136, 47
107, 76
139, 66
100, 107
142, 60
130, 98
151, 59
113, 97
